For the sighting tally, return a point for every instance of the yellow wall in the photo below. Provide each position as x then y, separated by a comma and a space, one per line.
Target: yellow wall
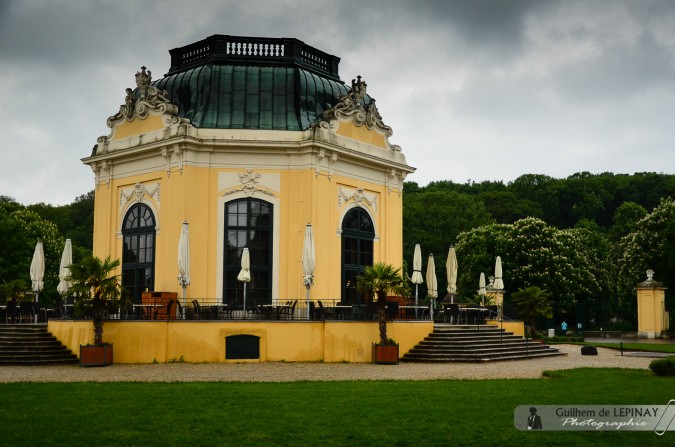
652, 315
162, 341
195, 196
517, 327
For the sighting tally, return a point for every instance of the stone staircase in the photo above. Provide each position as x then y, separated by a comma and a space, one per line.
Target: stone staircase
485, 343
32, 344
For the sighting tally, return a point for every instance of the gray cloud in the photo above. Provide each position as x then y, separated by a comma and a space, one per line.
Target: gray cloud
473, 89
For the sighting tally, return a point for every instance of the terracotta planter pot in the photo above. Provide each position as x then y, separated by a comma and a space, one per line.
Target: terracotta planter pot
385, 354
92, 355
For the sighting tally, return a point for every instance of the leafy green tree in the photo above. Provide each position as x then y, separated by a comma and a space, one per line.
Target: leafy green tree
650, 246
532, 302
434, 219
13, 289
626, 218
19, 230
93, 280
571, 264
380, 279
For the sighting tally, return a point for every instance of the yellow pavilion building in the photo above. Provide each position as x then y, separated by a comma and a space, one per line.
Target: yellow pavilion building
248, 140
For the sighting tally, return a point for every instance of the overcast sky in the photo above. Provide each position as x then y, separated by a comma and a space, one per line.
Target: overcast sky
474, 90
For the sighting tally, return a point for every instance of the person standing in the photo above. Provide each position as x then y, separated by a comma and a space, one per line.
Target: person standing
564, 327
534, 420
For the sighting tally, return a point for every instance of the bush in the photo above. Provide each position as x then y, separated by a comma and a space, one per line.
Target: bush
663, 367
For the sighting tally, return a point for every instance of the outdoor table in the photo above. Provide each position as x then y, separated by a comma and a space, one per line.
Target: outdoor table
408, 312
216, 308
147, 309
342, 311
270, 311
474, 312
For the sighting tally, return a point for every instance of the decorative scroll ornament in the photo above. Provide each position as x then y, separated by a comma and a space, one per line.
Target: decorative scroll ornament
249, 185
358, 196
145, 99
353, 106
138, 192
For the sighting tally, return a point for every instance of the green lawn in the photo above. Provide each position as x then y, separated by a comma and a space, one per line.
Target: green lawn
383, 413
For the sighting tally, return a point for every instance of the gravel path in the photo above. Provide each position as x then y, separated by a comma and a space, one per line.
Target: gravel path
290, 372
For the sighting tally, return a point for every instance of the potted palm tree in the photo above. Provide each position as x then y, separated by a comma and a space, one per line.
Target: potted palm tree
93, 280
379, 280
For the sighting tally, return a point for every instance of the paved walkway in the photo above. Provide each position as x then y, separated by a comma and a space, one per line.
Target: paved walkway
290, 372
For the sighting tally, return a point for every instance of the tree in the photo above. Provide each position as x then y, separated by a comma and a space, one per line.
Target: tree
626, 218
94, 280
571, 264
12, 290
19, 231
434, 219
380, 279
650, 246
532, 302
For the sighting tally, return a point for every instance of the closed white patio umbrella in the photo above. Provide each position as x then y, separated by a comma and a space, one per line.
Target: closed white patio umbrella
432, 284
499, 285
451, 269
417, 272
481, 288
308, 262
37, 270
184, 260
64, 272
245, 273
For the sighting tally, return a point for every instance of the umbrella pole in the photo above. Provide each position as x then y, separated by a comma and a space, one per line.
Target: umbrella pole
431, 308
182, 310
416, 301
307, 301
244, 299
501, 319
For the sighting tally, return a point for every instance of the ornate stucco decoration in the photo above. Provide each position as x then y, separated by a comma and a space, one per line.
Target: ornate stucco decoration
140, 103
250, 185
331, 158
173, 155
352, 106
395, 180
138, 192
102, 171
147, 98
358, 196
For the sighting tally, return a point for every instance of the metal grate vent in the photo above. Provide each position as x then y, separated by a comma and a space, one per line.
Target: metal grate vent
242, 347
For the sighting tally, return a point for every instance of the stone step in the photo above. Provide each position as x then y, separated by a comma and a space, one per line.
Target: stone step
31, 344
467, 358
469, 344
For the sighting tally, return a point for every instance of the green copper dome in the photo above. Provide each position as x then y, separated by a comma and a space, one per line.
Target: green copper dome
227, 82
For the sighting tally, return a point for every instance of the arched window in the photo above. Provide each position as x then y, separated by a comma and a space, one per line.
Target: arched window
248, 223
138, 257
357, 251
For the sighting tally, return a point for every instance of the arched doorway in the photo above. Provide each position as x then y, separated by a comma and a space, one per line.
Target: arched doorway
358, 234
138, 256
248, 223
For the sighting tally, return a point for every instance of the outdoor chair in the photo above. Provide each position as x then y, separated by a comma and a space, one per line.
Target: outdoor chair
200, 312
164, 312
253, 311
288, 311
26, 311
451, 313
326, 313
10, 312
